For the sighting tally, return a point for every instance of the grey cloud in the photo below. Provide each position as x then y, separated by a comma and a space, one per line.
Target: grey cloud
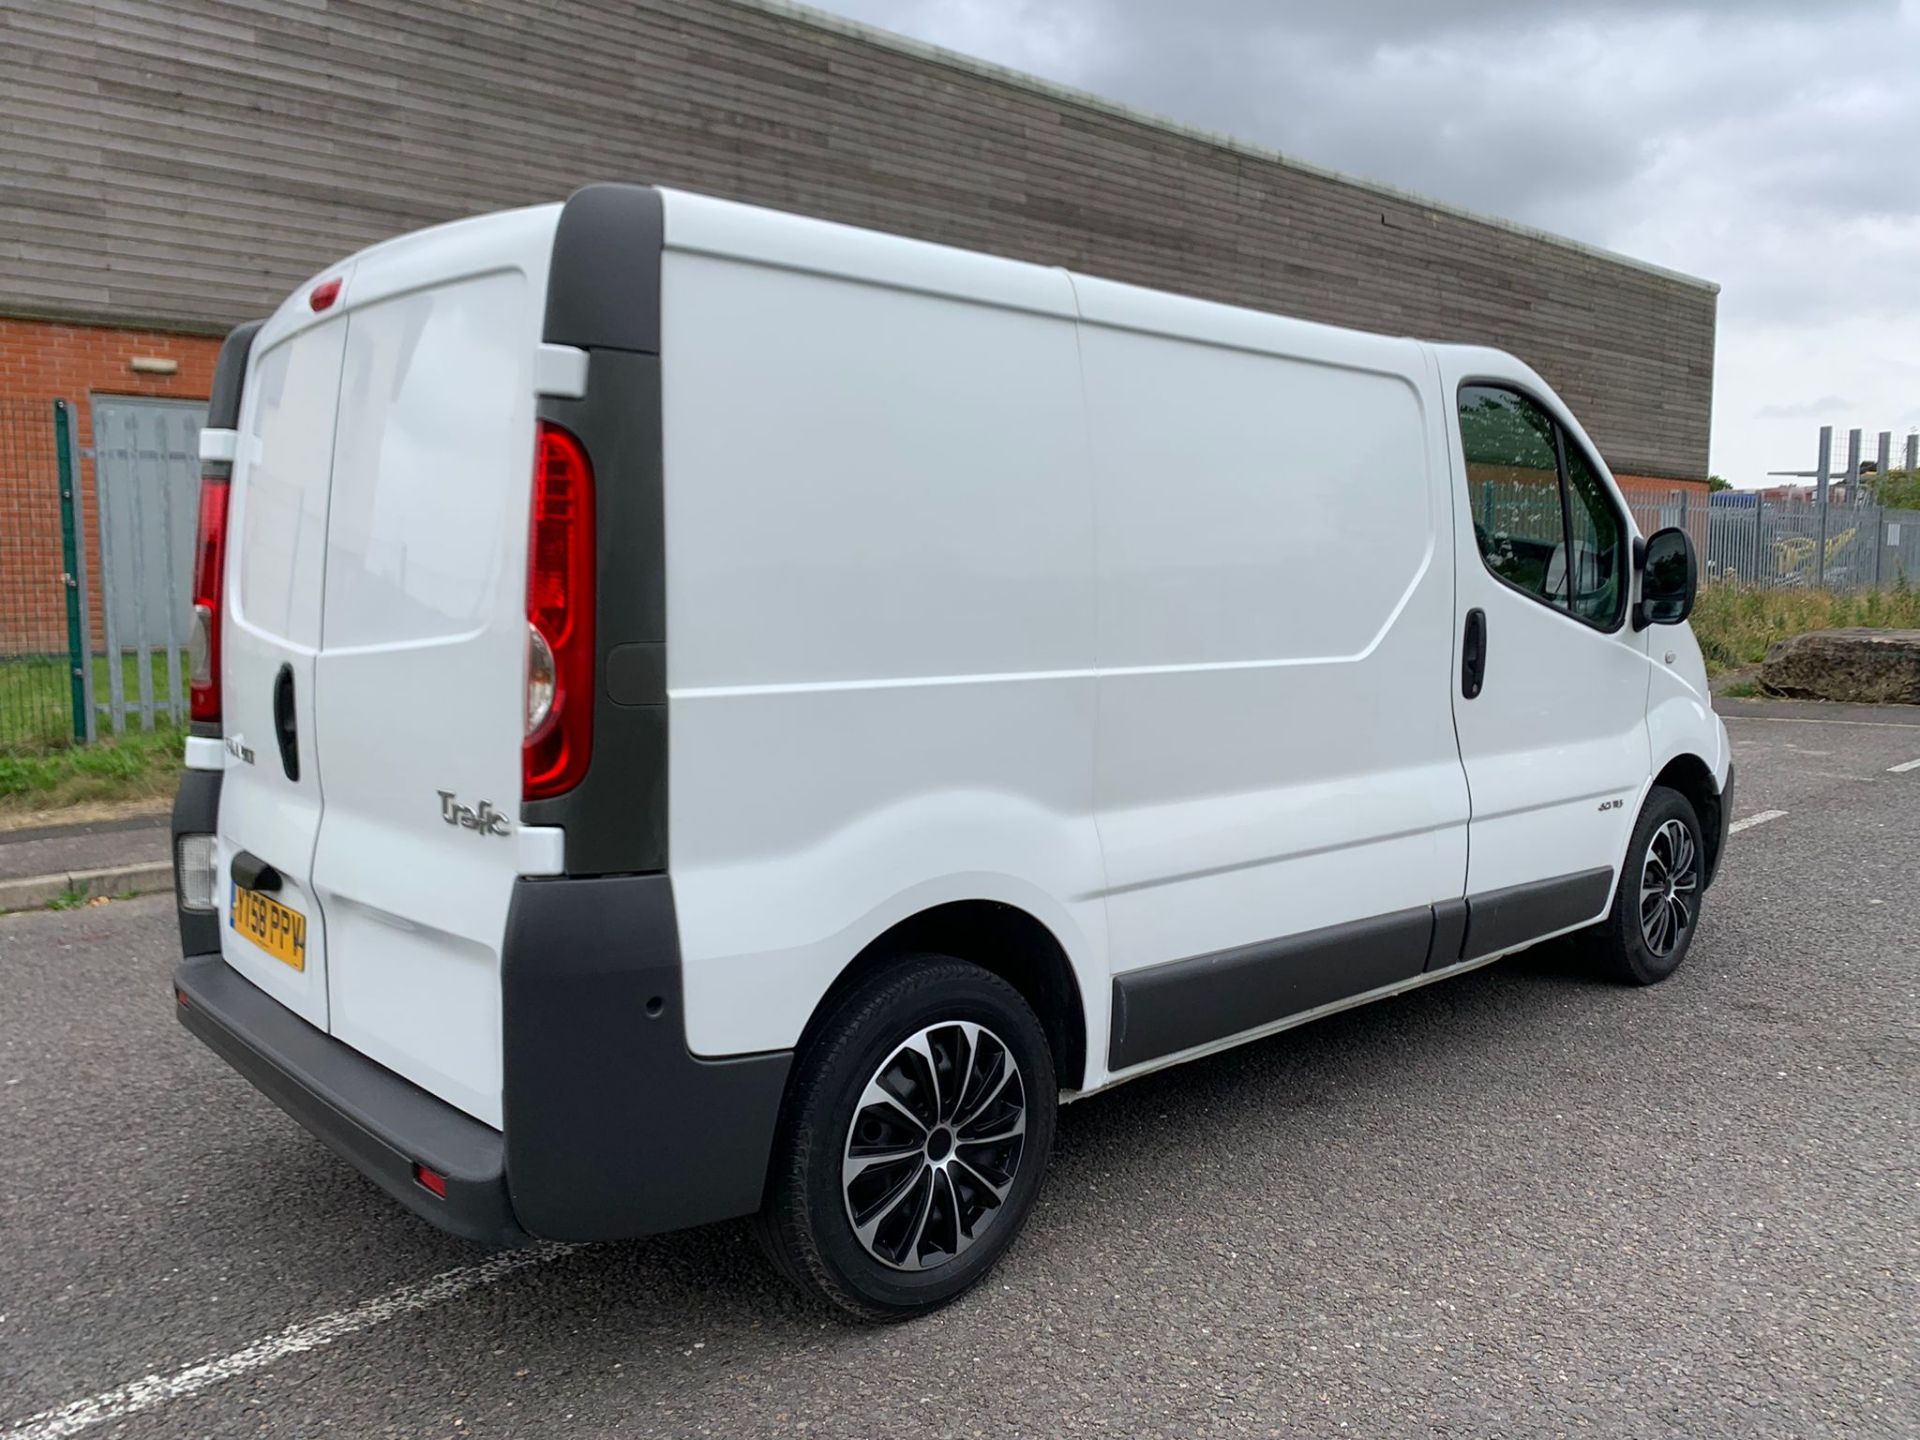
1555, 115
1764, 144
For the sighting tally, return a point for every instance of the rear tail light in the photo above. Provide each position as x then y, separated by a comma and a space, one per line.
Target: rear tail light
560, 600
209, 571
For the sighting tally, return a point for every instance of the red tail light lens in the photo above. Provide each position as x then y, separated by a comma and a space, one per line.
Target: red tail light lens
209, 571
560, 599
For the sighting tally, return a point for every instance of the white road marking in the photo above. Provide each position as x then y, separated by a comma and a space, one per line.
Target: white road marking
1902, 769
1734, 829
152, 1390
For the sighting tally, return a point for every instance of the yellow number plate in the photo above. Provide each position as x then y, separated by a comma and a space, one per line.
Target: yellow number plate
275, 928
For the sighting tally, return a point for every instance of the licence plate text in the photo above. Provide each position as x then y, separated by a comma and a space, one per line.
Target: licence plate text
277, 929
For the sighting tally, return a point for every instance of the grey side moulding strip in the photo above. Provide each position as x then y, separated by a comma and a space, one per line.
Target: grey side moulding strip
1176, 1006
1164, 1009
1506, 919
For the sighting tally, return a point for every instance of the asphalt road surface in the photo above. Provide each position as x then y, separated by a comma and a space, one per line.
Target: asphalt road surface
1518, 1203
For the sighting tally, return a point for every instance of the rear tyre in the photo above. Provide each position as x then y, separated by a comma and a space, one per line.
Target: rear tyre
912, 1141
1656, 907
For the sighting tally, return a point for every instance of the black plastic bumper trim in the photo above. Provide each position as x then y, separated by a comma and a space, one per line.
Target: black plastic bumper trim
376, 1121
613, 1127
196, 811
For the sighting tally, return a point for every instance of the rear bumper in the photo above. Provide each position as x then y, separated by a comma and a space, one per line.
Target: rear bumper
613, 1128
380, 1124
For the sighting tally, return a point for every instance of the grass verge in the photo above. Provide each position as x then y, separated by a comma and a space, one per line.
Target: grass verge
115, 770
1735, 624
36, 695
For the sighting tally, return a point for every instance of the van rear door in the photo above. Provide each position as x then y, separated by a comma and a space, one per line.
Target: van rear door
419, 688
270, 799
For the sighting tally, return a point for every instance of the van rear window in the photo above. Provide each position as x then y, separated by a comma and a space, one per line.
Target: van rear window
434, 461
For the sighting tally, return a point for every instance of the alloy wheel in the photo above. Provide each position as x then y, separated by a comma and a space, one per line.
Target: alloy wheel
934, 1146
1669, 888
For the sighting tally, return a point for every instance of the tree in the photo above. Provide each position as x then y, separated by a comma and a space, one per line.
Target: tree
1717, 483
1897, 489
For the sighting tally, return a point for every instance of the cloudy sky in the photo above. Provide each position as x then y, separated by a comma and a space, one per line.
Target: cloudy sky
1770, 145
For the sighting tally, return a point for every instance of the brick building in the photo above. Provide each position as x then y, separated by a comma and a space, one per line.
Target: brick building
40, 362
176, 166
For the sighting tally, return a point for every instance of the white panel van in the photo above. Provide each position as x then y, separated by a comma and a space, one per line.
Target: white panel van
700, 712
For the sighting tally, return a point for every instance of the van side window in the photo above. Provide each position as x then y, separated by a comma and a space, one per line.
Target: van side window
1531, 484
1598, 547
1513, 476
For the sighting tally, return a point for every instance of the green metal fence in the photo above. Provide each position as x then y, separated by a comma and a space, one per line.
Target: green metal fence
45, 680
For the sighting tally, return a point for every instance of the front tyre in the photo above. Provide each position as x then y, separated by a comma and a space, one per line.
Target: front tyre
913, 1141
1656, 907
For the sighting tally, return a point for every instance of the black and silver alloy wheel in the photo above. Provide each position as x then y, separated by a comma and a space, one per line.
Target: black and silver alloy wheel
1652, 924
913, 1138
1669, 888
934, 1146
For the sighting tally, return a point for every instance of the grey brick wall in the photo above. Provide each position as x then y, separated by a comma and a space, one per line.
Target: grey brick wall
186, 162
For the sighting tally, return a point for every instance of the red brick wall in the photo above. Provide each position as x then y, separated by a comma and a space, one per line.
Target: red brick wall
40, 363
1649, 490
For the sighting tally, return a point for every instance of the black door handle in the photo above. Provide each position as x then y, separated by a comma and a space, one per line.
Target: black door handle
1473, 654
250, 872
284, 729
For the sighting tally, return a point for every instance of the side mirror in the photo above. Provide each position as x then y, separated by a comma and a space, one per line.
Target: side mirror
1668, 579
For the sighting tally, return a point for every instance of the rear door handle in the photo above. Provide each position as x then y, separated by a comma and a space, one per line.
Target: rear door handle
284, 727
1473, 654
250, 872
